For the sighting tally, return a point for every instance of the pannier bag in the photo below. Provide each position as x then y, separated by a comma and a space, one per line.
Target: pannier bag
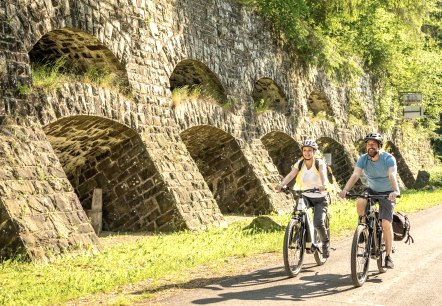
401, 228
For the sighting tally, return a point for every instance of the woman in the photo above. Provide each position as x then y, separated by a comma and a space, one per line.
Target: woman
312, 173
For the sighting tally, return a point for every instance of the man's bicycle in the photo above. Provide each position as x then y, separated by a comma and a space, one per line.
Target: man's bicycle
368, 240
300, 236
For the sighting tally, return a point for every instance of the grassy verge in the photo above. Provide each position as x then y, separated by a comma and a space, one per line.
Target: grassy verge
156, 257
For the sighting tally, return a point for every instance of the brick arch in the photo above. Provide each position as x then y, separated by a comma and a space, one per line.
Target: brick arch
100, 153
35, 21
341, 164
317, 102
283, 150
266, 90
81, 52
192, 73
227, 172
404, 171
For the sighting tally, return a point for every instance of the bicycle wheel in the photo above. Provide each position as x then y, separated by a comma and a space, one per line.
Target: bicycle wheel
381, 253
359, 256
320, 260
294, 247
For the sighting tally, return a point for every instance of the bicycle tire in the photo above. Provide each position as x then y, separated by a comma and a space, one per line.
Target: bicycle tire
381, 252
320, 260
360, 259
294, 247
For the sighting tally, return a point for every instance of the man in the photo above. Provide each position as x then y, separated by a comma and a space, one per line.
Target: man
380, 168
309, 176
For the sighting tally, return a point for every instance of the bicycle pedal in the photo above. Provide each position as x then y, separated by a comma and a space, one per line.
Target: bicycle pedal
393, 250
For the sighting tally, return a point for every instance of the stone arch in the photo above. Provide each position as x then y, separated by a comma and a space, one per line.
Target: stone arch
341, 161
318, 102
100, 153
405, 173
283, 150
36, 20
226, 170
193, 73
81, 52
266, 93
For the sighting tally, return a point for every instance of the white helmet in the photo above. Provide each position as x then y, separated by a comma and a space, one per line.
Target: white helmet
310, 143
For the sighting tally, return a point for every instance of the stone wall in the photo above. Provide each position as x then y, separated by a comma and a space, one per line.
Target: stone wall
164, 160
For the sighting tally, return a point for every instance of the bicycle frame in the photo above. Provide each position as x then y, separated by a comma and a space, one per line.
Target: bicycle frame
374, 227
301, 211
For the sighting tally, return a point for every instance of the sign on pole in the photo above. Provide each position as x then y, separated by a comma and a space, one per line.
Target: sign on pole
413, 111
412, 98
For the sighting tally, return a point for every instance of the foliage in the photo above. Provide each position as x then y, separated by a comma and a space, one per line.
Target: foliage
262, 105
131, 261
397, 42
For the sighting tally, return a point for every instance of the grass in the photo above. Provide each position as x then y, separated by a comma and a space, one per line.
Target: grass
24, 283
192, 93
52, 75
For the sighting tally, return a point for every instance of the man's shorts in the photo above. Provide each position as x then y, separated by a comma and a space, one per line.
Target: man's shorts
386, 207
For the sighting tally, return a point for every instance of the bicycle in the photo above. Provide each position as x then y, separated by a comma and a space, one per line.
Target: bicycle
368, 240
300, 236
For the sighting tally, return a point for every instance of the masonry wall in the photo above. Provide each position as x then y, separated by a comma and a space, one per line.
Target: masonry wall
135, 141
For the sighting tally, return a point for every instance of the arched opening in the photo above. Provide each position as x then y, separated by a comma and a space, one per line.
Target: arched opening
406, 175
75, 56
283, 150
191, 78
100, 153
319, 105
226, 171
341, 163
268, 95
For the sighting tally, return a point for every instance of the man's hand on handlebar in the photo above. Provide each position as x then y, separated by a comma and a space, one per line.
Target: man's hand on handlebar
393, 195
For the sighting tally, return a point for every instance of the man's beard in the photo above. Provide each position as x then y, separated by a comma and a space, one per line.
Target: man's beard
372, 152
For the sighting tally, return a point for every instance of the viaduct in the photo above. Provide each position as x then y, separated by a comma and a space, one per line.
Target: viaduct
208, 113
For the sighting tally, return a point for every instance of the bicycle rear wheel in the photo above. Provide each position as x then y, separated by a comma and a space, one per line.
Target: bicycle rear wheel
294, 247
359, 256
381, 253
320, 260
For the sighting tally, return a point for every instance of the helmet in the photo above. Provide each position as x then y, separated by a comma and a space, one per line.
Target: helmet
374, 136
310, 143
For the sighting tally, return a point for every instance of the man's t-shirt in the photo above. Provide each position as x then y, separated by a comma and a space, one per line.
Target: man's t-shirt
377, 171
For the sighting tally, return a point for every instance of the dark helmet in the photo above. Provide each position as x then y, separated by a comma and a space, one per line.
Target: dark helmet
310, 143
374, 136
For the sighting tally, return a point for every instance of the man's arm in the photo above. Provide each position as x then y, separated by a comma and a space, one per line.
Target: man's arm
392, 175
351, 181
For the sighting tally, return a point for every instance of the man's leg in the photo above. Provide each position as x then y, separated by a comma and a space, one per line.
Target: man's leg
360, 208
388, 236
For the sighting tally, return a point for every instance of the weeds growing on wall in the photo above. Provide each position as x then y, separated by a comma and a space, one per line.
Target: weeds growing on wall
51, 75
204, 92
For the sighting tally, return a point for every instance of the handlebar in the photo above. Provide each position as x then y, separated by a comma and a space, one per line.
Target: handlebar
367, 196
286, 189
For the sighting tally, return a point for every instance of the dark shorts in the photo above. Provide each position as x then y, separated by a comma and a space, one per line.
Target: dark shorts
386, 207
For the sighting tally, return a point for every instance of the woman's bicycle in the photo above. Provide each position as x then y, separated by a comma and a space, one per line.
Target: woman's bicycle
368, 240
300, 236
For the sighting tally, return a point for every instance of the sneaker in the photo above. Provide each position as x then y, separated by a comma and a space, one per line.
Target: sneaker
325, 250
389, 262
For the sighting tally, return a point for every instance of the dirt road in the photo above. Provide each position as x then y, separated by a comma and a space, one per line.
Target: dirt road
415, 280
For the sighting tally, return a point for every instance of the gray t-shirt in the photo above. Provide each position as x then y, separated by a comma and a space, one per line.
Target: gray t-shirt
377, 171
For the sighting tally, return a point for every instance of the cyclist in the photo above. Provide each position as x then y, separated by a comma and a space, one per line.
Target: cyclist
308, 177
380, 168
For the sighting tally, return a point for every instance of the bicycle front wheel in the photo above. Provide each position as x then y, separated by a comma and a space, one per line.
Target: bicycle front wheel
359, 256
319, 258
294, 247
